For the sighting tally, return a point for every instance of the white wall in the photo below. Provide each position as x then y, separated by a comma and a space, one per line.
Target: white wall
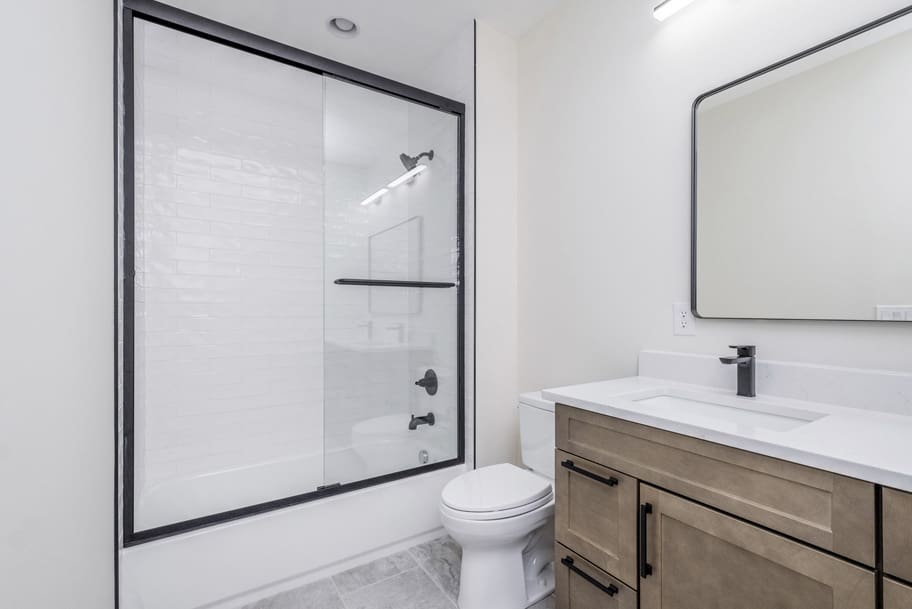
496, 273
604, 218
57, 306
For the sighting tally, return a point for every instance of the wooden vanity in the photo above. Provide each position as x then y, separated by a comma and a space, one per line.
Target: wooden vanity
650, 518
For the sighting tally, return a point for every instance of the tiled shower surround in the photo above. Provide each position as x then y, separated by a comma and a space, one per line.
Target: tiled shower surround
425, 576
257, 377
229, 336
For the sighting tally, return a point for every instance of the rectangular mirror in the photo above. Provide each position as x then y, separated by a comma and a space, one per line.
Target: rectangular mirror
802, 184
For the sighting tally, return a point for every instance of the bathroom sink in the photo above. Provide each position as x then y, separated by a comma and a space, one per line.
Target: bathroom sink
723, 413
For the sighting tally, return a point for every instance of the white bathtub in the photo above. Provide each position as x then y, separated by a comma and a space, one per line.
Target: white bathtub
228, 565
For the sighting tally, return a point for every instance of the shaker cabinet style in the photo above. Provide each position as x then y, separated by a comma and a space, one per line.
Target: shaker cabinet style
897, 531
699, 558
896, 595
826, 510
582, 585
656, 520
595, 514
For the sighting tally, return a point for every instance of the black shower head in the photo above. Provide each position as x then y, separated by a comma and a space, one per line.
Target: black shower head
410, 162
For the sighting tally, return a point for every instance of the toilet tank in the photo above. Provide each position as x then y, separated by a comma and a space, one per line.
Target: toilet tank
536, 433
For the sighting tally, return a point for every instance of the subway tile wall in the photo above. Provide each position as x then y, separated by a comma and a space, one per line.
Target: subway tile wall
257, 376
229, 276
379, 341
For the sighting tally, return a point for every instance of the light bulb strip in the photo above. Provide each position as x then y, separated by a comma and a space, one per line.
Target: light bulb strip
405, 177
375, 196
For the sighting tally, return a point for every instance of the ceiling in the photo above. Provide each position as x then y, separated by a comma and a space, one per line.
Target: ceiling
397, 38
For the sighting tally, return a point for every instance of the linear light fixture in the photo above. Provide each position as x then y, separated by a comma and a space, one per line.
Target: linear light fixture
375, 196
405, 177
669, 8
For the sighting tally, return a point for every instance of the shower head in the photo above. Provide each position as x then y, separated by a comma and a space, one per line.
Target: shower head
410, 162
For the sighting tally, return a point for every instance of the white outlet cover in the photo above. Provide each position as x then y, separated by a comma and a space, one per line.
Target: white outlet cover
683, 320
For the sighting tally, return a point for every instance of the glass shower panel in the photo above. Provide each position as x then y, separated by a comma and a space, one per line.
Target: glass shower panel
228, 288
391, 204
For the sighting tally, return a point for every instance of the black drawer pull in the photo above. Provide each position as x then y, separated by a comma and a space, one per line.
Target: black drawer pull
573, 468
610, 589
645, 567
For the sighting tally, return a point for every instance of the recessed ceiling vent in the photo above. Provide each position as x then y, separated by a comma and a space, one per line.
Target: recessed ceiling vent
342, 27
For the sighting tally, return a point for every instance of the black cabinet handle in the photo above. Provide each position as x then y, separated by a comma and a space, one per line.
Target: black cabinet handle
610, 589
573, 468
645, 567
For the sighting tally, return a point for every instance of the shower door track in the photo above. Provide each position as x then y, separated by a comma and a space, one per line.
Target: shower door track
189, 23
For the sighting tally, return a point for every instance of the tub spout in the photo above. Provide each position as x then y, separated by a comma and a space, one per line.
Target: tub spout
428, 419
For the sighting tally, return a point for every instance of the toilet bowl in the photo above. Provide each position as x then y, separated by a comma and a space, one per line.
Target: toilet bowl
503, 517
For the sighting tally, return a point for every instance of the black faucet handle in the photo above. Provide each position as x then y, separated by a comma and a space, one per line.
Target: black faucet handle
745, 350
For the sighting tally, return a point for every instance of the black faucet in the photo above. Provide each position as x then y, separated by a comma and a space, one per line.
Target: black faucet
428, 419
747, 370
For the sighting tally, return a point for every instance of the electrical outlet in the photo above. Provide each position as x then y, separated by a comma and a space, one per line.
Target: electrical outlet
684, 324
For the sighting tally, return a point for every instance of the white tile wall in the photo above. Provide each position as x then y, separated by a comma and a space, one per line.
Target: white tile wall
248, 355
374, 356
229, 273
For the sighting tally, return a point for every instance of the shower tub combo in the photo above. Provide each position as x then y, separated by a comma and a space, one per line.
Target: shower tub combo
292, 304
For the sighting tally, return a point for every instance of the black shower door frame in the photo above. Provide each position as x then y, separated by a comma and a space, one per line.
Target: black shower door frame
189, 23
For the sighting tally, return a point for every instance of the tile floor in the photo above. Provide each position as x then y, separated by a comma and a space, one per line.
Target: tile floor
425, 576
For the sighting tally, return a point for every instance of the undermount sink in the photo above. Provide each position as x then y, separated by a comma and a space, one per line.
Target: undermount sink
722, 413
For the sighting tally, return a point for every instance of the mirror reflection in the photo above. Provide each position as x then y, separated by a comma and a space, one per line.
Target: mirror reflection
803, 188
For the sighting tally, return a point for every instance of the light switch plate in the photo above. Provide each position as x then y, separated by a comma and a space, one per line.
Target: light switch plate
684, 324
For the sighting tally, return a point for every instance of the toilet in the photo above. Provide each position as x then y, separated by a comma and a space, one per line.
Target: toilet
503, 517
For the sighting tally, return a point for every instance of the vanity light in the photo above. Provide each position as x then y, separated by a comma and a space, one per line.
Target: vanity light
375, 196
669, 8
405, 177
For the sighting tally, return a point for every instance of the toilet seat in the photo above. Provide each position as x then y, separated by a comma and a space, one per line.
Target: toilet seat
496, 492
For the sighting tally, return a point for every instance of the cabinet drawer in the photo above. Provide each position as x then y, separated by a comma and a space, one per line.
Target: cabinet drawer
897, 595
581, 585
699, 558
824, 509
897, 531
595, 514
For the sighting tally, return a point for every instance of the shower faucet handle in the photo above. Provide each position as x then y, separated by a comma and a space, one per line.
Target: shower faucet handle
428, 382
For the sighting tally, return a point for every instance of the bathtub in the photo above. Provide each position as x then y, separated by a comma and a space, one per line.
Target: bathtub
228, 565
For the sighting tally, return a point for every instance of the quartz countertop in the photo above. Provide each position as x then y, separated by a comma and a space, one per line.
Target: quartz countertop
864, 444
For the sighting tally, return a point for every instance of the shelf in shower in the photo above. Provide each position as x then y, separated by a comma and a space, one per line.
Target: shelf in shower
395, 284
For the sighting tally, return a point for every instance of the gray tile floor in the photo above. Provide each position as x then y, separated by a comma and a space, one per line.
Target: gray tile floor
425, 576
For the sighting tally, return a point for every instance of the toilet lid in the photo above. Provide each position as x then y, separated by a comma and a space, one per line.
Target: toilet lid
495, 488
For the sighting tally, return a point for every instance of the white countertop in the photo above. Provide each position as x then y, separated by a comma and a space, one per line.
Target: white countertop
863, 444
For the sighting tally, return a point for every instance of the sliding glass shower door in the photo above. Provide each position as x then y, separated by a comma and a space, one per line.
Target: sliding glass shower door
391, 179
292, 296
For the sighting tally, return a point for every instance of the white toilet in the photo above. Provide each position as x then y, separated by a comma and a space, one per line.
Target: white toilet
503, 517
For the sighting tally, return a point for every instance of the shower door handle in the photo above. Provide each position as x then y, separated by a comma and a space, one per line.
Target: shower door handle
389, 283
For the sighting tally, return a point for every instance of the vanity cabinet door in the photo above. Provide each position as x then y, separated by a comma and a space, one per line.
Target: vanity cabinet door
698, 558
897, 595
824, 509
897, 531
581, 585
595, 515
